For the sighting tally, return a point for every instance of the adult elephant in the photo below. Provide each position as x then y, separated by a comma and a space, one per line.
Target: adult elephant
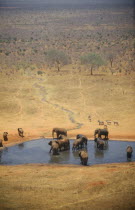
20, 132
58, 132
100, 133
1, 144
84, 138
63, 142
83, 157
54, 147
129, 151
77, 144
5, 136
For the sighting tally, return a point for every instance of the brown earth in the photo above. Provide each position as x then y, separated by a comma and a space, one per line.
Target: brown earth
110, 186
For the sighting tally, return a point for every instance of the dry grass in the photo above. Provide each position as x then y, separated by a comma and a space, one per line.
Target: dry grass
68, 187
39, 103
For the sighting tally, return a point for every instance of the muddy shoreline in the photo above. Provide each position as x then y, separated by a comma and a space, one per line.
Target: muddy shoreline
20, 140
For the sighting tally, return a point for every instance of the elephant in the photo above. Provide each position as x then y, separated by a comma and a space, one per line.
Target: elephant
77, 143
5, 136
62, 137
63, 142
20, 132
83, 157
84, 138
101, 132
54, 147
129, 151
1, 144
59, 131
100, 143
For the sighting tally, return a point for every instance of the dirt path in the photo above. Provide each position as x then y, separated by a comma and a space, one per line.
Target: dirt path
43, 94
19, 102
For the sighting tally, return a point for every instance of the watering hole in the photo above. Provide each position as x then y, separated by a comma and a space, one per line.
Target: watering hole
37, 151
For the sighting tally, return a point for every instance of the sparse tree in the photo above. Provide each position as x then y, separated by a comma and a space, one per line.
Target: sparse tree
57, 58
92, 60
111, 58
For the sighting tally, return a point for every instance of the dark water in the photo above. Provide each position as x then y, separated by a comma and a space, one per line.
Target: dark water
37, 151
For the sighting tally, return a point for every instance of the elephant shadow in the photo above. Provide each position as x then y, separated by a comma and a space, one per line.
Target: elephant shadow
129, 159
21, 146
105, 147
75, 154
63, 156
1, 155
99, 153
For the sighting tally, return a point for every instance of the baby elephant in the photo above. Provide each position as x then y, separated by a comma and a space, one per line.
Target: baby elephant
129, 151
54, 147
20, 132
5, 136
83, 157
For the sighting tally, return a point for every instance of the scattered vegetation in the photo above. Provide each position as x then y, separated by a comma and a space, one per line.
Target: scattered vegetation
57, 58
92, 60
59, 38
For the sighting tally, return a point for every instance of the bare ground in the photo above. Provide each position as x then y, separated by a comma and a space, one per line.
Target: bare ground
110, 186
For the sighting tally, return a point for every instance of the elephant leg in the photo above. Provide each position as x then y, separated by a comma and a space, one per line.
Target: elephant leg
81, 160
50, 150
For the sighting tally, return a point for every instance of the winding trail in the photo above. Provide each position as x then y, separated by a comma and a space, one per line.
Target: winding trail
16, 98
43, 94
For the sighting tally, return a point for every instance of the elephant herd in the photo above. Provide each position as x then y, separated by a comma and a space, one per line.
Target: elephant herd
62, 143
5, 135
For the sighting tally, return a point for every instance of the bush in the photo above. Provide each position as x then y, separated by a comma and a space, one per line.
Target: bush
39, 72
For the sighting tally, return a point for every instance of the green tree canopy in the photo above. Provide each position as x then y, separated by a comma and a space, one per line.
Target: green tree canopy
93, 60
57, 58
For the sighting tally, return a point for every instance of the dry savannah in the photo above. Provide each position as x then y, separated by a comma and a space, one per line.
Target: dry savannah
67, 104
